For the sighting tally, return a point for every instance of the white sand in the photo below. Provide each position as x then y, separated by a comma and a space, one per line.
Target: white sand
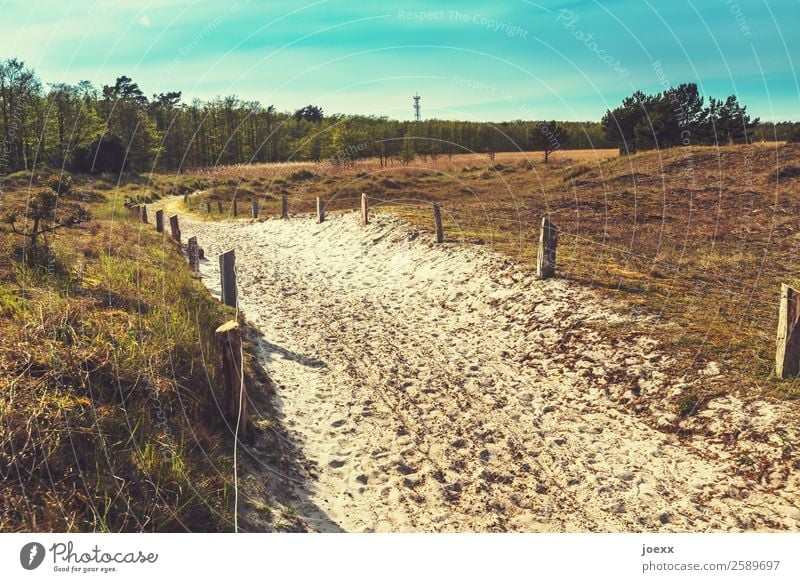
439, 388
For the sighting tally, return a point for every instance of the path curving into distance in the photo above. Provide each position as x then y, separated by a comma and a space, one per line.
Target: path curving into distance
440, 388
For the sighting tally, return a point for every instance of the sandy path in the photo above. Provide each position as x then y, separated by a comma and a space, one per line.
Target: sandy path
438, 388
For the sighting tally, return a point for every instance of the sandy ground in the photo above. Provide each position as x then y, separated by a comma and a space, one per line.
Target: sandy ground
440, 388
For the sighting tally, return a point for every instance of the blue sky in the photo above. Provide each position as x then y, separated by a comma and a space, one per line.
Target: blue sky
518, 59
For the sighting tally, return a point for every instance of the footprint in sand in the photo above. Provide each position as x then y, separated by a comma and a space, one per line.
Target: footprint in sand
526, 398
404, 469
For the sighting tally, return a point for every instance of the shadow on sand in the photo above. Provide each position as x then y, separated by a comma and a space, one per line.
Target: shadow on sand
275, 476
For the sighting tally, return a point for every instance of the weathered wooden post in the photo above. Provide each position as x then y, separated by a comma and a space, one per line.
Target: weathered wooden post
227, 276
254, 201
143, 215
235, 208
546, 260
208, 207
284, 206
219, 206
364, 210
159, 221
194, 255
173, 226
437, 223
135, 211
320, 211
229, 345
186, 200
787, 356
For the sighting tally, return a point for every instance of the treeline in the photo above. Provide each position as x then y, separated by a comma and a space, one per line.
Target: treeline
117, 127
677, 116
780, 131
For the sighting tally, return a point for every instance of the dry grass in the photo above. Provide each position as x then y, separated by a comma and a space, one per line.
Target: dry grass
700, 237
442, 163
107, 378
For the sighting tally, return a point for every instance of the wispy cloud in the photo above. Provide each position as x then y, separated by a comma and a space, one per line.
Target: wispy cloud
289, 54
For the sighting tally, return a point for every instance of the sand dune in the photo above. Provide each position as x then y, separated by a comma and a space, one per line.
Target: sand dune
440, 388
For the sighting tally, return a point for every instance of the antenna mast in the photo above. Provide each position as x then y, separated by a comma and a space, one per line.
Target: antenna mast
417, 116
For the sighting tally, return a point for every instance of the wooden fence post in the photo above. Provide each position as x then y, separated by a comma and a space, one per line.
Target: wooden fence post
546, 260
364, 210
437, 223
136, 211
159, 221
186, 200
320, 211
284, 206
143, 216
235, 208
208, 207
229, 345
227, 277
194, 255
219, 206
173, 225
787, 355
254, 201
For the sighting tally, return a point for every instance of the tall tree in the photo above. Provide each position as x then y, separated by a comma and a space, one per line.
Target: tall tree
125, 88
19, 91
729, 121
309, 113
619, 124
125, 109
547, 137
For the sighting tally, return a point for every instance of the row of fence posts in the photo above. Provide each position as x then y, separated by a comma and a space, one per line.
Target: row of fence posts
787, 356
228, 336
255, 206
548, 235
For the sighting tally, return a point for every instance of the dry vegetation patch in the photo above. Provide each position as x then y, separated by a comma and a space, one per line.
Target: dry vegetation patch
698, 237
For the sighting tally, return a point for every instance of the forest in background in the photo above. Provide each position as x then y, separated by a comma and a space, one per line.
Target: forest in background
117, 127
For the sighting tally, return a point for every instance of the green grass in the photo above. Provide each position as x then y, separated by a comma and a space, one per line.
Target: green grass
687, 404
108, 384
